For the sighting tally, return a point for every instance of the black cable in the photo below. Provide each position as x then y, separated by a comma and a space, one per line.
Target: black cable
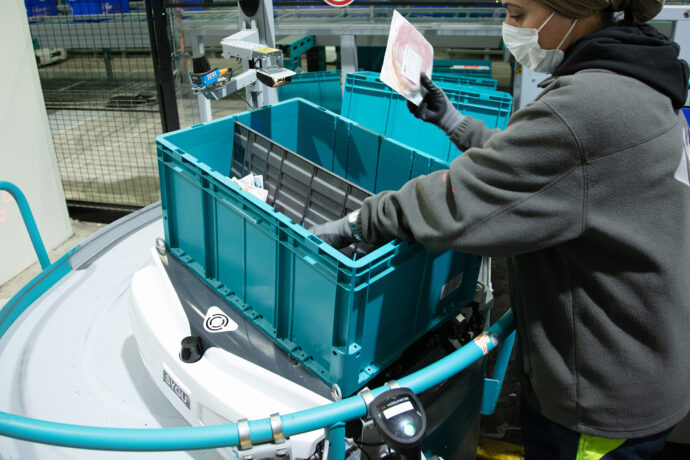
370, 444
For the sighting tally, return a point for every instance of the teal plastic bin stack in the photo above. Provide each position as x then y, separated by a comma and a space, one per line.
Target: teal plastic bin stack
465, 80
344, 319
473, 67
321, 88
370, 102
292, 47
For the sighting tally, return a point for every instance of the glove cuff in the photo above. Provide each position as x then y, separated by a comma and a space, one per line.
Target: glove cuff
450, 120
355, 223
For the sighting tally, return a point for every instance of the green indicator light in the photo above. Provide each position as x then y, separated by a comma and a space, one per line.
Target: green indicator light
409, 429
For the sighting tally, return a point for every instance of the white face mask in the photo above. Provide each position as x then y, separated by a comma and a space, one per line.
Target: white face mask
524, 45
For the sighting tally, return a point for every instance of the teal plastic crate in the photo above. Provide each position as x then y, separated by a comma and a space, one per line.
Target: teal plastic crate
465, 80
370, 102
321, 88
292, 47
293, 63
295, 45
474, 67
344, 319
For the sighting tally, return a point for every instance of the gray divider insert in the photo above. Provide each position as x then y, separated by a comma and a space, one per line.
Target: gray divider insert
302, 190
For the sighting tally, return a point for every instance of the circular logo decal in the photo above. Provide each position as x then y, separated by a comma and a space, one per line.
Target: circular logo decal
216, 322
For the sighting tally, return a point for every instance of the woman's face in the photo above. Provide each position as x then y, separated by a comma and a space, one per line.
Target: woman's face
529, 14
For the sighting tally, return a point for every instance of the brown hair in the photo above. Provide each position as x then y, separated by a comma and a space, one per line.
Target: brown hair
636, 11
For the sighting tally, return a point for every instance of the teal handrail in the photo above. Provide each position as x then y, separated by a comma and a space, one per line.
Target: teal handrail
492, 385
329, 416
209, 437
29, 221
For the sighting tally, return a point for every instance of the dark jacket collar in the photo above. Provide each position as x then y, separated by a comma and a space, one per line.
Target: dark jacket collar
640, 52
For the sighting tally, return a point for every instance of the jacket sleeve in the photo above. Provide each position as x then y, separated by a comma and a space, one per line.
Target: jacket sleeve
523, 189
471, 132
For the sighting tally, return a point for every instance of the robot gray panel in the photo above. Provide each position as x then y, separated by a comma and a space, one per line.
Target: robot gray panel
247, 341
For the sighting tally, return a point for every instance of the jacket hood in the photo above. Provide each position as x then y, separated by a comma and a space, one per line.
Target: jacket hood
637, 51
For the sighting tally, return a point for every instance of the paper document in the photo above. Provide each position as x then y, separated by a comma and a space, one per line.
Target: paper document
253, 184
408, 54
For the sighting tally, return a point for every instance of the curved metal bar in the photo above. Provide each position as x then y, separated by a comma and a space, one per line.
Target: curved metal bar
29, 222
492, 386
209, 437
335, 435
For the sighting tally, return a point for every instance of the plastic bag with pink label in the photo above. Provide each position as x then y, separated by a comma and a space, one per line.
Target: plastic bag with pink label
408, 54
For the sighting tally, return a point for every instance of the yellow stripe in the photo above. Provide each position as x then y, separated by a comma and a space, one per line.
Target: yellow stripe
492, 449
594, 448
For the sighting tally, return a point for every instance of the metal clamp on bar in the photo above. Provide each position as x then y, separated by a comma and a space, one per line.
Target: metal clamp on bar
366, 395
277, 428
243, 433
393, 384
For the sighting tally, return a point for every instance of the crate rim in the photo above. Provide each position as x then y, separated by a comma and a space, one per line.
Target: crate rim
395, 245
505, 97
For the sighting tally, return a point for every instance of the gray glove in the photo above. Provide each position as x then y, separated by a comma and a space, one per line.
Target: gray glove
338, 233
436, 108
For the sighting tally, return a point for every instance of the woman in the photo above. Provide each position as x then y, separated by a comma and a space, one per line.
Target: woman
586, 193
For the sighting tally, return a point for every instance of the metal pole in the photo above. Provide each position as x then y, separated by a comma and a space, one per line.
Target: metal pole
162, 64
335, 434
348, 57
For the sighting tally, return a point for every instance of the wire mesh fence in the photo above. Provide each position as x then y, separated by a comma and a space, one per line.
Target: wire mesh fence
206, 25
99, 88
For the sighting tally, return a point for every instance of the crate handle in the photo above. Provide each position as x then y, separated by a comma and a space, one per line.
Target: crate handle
241, 212
309, 259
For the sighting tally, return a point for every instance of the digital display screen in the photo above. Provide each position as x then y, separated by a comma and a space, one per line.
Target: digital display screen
398, 409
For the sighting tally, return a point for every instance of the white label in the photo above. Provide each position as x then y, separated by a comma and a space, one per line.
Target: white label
483, 341
260, 193
398, 409
217, 321
451, 286
469, 67
412, 64
180, 391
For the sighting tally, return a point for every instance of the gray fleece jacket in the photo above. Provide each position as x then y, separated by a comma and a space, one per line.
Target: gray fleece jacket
580, 192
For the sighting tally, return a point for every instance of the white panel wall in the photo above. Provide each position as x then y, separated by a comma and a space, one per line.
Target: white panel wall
27, 156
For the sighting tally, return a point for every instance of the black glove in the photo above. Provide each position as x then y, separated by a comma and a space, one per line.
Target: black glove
337, 233
436, 108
